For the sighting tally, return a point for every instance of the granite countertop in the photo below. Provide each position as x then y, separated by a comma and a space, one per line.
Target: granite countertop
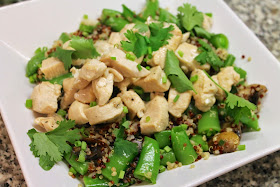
263, 17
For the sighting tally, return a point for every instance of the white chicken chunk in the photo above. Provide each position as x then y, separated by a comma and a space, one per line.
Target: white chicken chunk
117, 75
77, 112
134, 103
103, 88
177, 108
79, 82
48, 123
185, 37
153, 82
115, 38
206, 90
226, 78
186, 54
92, 70
69, 91
124, 84
85, 95
111, 112
126, 67
103, 47
156, 117
66, 46
207, 22
44, 97
158, 58
52, 67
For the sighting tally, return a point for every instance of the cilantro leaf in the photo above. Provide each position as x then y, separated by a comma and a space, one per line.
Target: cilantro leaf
189, 16
64, 56
64, 37
150, 9
136, 44
141, 27
175, 74
208, 56
159, 35
60, 136
46, 163
166, 16
83, 48
33, 64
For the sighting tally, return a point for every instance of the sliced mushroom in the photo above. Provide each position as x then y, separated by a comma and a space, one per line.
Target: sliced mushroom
156, 117
48, 123
111, 112
134, 103
85, 95
52, 67
178, 107
69, 91
44, 97
92, 70
77, 112
153, 82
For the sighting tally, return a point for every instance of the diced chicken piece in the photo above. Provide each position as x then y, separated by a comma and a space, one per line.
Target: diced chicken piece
52, 67
85, 95
67, 46
44, 97
48, 123
124, 84
154, 94
153, 82
69, 91
226, 78
77, 112
206, 90
103, 47
79, 82
158, 58
117, 75
115, 38
207, 22
92, 70
126, 67
178, 107
103, 88
111, 112
156, 117
134, 103
189, 53
185, 37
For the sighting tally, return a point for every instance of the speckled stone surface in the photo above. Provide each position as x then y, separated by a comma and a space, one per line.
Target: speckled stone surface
263, 17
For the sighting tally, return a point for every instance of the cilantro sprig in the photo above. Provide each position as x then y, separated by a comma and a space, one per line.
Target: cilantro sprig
84, 48
51, 146
65, 56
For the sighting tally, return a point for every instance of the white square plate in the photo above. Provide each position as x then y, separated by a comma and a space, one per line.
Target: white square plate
26, 26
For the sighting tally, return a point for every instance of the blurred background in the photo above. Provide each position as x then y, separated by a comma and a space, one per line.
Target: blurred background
263, 18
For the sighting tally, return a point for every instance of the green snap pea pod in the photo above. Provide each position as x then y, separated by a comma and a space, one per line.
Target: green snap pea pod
106, 13
198, 139
230, 60
124, 153
219, 41
35, 61
163, 138
64, 37
166, 16
81, 168
167, 157
182, 146
241, 72
209, 123
251, 121
59, 80
202, 33
97, 182
116, 23
149, 161
150, 9
130, 15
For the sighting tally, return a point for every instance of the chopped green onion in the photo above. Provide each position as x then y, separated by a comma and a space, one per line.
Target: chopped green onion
31, 79
180, 53
82, 156
78, 143
130, 57
139, 67
209, 14
85, 16
61, 112
241, 147
145, 60
164, 79
167, 148
148, 67
126, 124
150, 50
94, 103
84, 145
162, 168
125, 110
113, 58
221, 142
194, 78
72, 170
28, 103
121, 175
148, 118
176, 98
